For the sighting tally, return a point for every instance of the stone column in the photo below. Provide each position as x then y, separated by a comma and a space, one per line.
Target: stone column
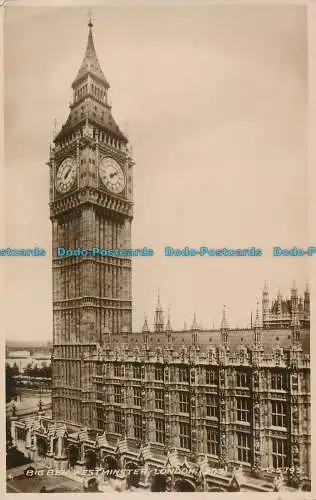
33, 449
223, 458
144, 482
59, 447
50, 452
257, 427
51, 445
34, 442
193, 413
28, 439
13, 430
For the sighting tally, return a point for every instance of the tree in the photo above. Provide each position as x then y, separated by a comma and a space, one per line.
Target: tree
28, 369
8, 435
35, 371
15, 369
10, 382
46, 371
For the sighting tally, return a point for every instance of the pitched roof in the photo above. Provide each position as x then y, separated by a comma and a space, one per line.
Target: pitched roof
235, 338
90, 63
286, 307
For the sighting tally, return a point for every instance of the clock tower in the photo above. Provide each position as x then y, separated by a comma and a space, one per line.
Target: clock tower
90, 208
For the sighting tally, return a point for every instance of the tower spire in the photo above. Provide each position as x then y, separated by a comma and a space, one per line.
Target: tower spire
145, 328
224, 328
307, 299
224, 324
194, 329
168, 328
257, 320
90, 63
279, 302
194, 326
265, 304
158, 300
294, 302
294, 290
257, 329
90, 99
168, 324
158, 319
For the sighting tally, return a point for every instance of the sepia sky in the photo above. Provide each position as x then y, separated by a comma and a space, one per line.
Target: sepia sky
214, 101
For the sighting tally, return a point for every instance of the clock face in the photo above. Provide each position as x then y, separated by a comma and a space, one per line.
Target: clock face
66, 175
112, 175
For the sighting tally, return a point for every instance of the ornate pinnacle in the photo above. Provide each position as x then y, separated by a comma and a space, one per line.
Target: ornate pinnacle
90, 24
224, 324
194, 323
257, 320
145, 328
168, 325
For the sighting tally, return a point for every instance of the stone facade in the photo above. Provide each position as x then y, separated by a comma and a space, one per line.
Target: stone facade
91, 294
219, 410
280, 312
231, 418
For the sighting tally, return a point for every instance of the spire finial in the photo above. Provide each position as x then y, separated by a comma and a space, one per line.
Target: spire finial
90, 24
224, 328
194, 322
295, 327
145, 328
257, 320
159, 306
168, 325
158, 318
224, 324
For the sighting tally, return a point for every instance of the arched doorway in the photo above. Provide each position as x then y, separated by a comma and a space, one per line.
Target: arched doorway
55, 446
42, 446
183, 485
110, 466
158, 483
91, 460
133, 476
73, 455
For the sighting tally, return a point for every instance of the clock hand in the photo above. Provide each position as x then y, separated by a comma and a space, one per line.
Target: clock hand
67, 173
112, 175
